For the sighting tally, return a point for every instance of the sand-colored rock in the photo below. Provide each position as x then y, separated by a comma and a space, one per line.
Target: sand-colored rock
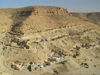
93, 17
30, 34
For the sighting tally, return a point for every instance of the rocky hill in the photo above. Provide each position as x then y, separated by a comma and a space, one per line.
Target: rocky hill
30, 34
91, 17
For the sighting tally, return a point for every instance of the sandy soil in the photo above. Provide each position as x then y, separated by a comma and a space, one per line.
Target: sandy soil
29, 35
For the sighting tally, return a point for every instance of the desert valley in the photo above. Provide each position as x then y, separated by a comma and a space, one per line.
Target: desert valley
48, 40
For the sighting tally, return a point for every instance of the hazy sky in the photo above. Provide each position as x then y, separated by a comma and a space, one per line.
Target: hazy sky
70, 5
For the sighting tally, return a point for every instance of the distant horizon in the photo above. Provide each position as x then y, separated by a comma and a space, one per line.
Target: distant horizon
81, 6
57, 6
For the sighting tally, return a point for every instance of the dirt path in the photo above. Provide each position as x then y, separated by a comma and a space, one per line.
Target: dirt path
3, 68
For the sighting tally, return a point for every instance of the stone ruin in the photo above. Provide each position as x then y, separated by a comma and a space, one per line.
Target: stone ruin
17, 65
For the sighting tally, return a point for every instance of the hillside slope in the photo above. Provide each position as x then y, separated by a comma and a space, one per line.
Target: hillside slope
91, 17
31, 34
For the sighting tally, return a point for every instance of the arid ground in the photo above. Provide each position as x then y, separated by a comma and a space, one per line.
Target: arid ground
47, 40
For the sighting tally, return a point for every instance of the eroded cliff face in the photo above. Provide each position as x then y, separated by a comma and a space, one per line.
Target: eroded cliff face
31, 33
50, 11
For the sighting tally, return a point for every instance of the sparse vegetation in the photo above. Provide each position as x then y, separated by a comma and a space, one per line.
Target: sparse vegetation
47, 41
